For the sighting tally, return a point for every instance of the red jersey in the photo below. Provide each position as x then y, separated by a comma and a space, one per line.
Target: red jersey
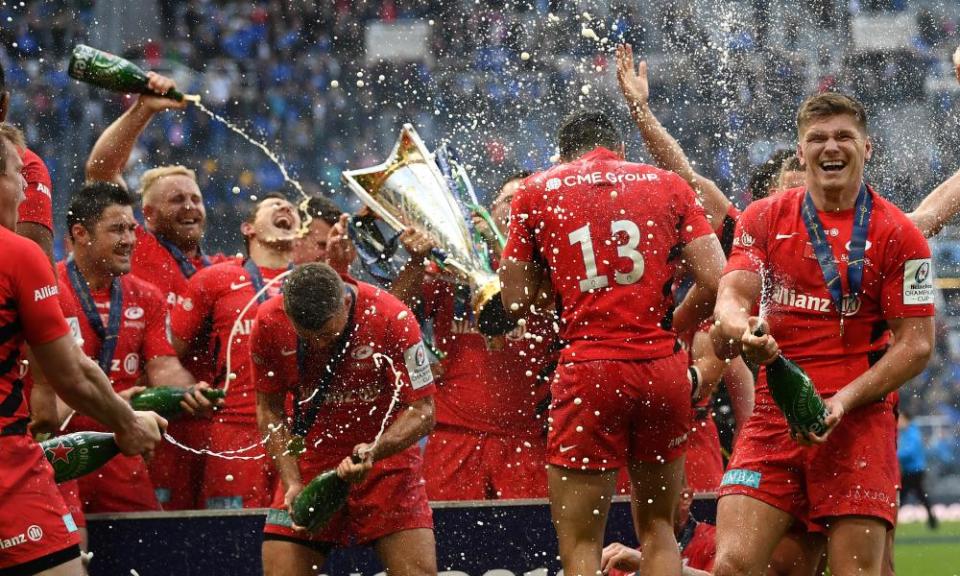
142, 335
28, 313
153, 262
37, 206
897, 283
611, 233
360, 392
214, 298
488, 388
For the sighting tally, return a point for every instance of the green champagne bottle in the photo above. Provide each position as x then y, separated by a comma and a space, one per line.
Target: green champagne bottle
165, 400
320, 500
78, 454
796, 396
114, 73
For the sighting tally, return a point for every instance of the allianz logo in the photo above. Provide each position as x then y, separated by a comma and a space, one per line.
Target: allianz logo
794, 299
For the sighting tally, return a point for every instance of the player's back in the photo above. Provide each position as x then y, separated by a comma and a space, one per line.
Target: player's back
611, 233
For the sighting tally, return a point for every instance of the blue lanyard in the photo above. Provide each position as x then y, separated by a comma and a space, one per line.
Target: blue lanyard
303, 422
109, 335
858, 243
256, 279
186, 266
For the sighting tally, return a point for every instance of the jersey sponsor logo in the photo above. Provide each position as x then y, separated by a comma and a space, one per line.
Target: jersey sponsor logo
785, 236
917, 282
44, 189
362, 352
745, 240
364, 395
238, 285
244, 327
565, 449
35, 533
131, 363
133, 313
851, 305
677, 441
415, 358
44, 293
741, 477
794, 299
599, 178
74, 323
13, 541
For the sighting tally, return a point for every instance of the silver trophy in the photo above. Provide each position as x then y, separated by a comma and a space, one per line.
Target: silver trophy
431, 191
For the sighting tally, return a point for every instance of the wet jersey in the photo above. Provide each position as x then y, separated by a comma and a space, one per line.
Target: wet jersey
611, 232
772, 239
37, 205
210, 308
385, 338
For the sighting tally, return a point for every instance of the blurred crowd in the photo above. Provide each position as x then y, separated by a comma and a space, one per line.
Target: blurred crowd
725, 78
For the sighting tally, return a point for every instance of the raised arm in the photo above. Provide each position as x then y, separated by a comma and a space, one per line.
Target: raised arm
408, 286
938, 207
112, 150
664, 149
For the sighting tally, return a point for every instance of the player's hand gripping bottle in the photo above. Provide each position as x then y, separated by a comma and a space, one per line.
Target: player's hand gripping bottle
320, 500
80, 453
795, 395
114, 73
165, 400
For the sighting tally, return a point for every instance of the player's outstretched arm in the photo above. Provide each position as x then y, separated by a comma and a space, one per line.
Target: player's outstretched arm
39, 234
112, 150
665, 150
522, 283
938, 207
82, 385
705, 261
736, 294
413, 422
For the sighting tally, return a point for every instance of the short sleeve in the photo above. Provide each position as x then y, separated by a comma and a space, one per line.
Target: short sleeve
155, 343
36, 289
749, 240
409, 356
907, 290
521, 243
37, 206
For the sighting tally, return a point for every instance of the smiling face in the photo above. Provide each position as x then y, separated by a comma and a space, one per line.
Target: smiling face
276, 220
173, 209
834, 150
107, 246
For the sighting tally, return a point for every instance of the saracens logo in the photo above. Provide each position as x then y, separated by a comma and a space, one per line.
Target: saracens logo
746, 240
362, 352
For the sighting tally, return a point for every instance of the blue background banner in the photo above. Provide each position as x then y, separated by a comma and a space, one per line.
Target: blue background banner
472, 539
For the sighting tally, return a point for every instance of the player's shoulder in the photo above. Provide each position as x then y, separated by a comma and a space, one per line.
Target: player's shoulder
786, 202
26, 250
221, 272
271, 310
142, 289
32, 160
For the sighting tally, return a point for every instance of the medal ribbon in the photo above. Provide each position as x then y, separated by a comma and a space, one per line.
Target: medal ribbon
302, 422
858, 243
109, 335
186, 266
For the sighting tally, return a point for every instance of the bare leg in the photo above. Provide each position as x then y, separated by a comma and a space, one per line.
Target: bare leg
798, 554
282, 558
579, 503
656, 493
408, 553
72, 568
748, 530
855, 545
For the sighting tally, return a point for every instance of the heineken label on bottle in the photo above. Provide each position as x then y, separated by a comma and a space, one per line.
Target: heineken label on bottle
89, 62
79, 453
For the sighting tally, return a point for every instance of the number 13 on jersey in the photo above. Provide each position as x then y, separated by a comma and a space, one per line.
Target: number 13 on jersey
593, 280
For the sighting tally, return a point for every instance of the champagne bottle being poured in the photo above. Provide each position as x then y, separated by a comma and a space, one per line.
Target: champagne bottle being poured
165, 400
114, 73
75, 455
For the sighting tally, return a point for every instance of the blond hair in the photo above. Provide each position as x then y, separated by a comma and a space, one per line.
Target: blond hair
154, 175
15, 136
